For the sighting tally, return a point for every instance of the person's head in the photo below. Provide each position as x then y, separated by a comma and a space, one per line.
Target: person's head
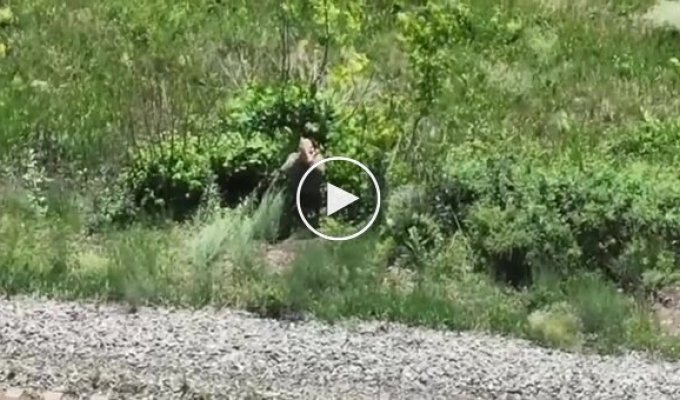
308, 150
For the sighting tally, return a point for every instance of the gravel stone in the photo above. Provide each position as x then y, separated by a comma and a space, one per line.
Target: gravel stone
224, 354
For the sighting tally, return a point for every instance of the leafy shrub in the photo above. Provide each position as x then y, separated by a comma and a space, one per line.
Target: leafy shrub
410, 226
259, 127
285, 113
240, 165
367, 135
172, 175
524, 215
427, 32
168, 176
570, 217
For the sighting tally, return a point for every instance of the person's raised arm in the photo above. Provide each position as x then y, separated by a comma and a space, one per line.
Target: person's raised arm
292, 157
318, 157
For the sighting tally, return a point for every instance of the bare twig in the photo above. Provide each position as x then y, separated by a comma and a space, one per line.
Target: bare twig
285, 47
322, 70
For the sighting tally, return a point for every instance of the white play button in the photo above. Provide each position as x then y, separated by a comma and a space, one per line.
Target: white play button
337, 199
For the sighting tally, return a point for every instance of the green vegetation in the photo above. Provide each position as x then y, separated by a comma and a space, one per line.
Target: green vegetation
528, 151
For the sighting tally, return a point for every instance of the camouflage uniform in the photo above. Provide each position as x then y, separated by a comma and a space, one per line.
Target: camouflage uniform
311, 196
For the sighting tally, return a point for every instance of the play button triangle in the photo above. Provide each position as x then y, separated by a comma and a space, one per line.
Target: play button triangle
337, 199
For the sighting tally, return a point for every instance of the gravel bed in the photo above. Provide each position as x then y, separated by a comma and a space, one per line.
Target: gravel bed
172, 354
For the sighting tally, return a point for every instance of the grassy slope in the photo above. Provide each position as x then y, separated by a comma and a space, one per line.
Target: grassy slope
555, 79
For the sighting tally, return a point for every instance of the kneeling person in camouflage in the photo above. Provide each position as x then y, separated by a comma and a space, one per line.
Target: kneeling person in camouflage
311, 192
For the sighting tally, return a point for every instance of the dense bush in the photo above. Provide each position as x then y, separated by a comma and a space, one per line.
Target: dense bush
285, 111
521, 217
410, 226
241, 165
363, 132
168, 175
172, 175
258, 130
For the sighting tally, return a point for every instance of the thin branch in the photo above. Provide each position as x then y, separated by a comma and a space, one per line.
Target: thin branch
324, 61
285, 47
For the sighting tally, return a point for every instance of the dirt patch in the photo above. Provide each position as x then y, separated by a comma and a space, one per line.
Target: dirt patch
664, 14
280, 256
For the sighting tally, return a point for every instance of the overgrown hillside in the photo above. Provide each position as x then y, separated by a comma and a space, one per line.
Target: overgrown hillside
528, 151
